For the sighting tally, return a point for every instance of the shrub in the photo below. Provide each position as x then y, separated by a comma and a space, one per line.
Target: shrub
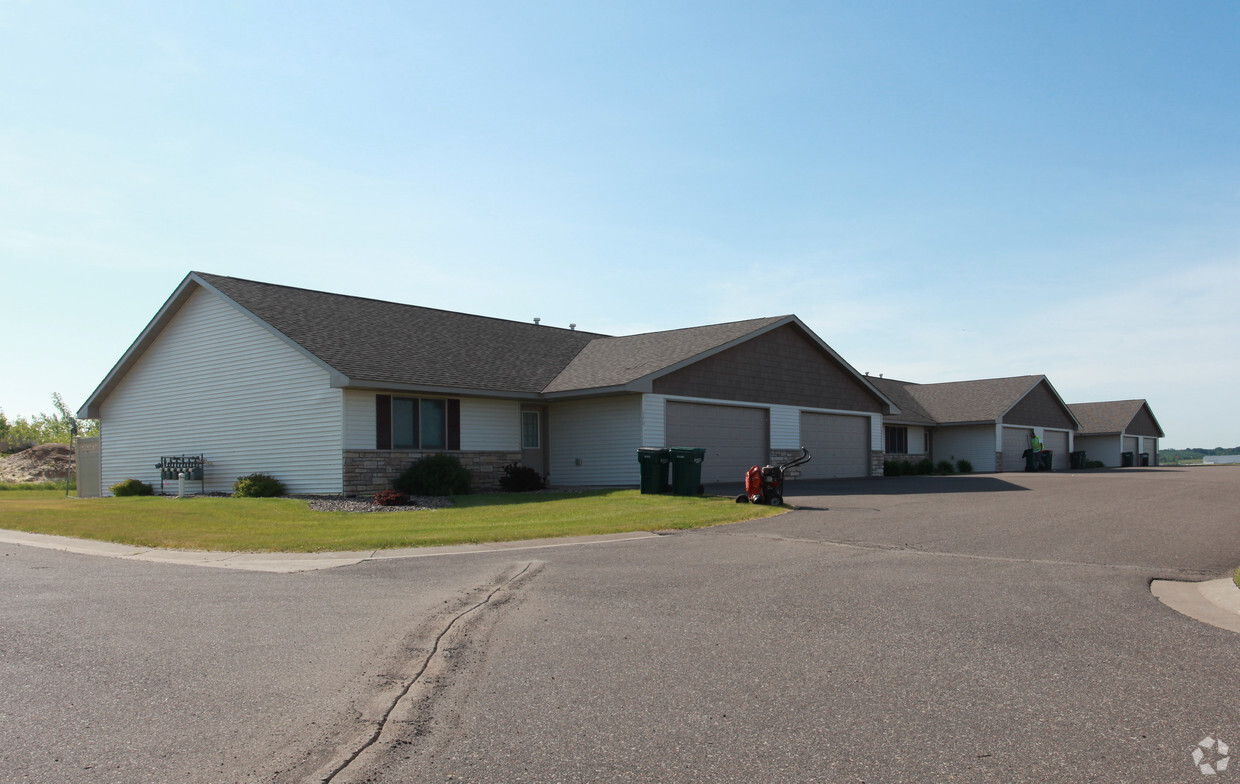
434, 475
924, 467
132, 487
907, 468
1095, 464
964, 466
520, 479
391, 498
257, 486
945, 467
889, 468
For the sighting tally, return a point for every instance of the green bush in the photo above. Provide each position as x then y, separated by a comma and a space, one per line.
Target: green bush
945, 467
520, 479
924, 467
434, 475
257, 486
1095, 464
132, 487
964, 466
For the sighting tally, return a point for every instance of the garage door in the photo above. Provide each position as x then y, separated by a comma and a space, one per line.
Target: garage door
1015, 441
1150, 446
1057, 442
840, 445
1130, 445
734, 438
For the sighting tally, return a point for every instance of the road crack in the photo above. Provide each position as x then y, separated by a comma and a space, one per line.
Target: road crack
349, 756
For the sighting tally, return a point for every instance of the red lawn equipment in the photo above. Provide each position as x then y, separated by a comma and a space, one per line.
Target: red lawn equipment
765, 485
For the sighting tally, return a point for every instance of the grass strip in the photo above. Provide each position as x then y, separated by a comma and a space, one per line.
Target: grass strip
289, 525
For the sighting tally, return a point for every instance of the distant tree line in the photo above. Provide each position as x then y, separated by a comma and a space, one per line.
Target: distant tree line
1193, 455
56, 428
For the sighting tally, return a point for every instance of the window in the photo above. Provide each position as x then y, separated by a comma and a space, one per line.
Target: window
531, 430
897, 440
417, 423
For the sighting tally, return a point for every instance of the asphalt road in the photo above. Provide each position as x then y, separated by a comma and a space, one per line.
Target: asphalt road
956, 629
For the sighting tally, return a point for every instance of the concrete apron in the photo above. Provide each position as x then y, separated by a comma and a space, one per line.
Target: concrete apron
1216, 602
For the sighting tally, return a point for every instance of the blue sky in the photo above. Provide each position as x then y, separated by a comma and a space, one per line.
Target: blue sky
941, 190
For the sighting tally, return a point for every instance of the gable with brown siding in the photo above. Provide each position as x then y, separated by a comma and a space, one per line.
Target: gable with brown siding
781, 367
1040, 408
1143, 424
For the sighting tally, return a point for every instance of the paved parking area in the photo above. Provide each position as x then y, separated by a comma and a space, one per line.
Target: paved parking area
971, 629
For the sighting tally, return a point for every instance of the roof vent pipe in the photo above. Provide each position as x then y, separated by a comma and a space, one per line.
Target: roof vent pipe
537, 320
572, 326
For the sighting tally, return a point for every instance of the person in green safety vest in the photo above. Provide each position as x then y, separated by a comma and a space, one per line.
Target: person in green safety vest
1037, 443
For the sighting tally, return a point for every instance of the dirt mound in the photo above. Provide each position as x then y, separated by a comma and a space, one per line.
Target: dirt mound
42, 463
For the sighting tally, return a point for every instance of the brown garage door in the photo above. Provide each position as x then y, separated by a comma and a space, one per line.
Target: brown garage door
840, 445
1057, 442
734, 437
1015, 441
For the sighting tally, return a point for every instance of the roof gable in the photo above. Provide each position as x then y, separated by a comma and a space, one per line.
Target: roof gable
1116, 416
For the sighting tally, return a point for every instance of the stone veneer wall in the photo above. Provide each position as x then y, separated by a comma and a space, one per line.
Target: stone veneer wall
998, 462
783, 456
877, 456
368, 471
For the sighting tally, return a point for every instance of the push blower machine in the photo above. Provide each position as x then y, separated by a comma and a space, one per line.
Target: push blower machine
765, 484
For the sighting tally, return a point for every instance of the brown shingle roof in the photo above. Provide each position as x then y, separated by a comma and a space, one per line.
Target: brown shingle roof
608, 362
956, 402
911, 412
372, 340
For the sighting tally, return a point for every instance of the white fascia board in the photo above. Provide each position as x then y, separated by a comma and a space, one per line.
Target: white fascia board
90, 409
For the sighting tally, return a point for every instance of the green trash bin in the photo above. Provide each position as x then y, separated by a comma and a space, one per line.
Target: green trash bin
687, 470
654, 466
1077, 459
1126, 459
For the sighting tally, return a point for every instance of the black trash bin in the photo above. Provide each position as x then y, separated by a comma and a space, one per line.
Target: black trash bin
1046, 457
1126, 460
1077, 460
1031, 459
654, 466
1145, 459
687, 470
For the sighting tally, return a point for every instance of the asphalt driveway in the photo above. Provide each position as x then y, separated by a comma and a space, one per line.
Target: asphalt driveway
972, 629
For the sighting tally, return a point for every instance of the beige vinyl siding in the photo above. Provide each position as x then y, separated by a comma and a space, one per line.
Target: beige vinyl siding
785, 427
359, 419
215, 382
654, 426
602, 434
489, 425
975, 443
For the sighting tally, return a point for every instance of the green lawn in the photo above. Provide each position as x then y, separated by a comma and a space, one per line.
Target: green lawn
288, 525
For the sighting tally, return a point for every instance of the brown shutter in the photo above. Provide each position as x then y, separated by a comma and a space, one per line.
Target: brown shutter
383, 421
454, 425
